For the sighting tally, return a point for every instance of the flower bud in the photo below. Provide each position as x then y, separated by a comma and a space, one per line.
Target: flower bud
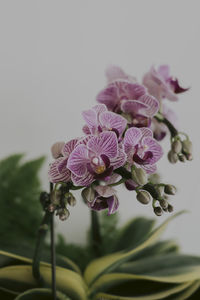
172, 157
170, 189
71, 200
182, 158
160, 190
170, 208
88, 194
63, 214
158, 211
56, 149
189, 156
187, 146
143, 197
164, 204
177, 146
139, 176
51, 208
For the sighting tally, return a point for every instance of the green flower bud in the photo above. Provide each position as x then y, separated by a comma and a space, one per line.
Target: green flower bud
177, 146
164, 204
189, 156
170, 208
170, 189
63, 214
88, 194
143, 197
182, 158
172, 157
187, 146
51, 208
139, 176
158, 211
71, 200
160, 190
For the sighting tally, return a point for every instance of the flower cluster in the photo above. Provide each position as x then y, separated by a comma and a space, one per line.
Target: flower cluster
121, 138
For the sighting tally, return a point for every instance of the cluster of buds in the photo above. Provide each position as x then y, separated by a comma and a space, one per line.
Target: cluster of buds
157, 193
57, 202
180, 150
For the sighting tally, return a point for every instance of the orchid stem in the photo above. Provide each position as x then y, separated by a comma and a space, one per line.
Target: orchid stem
53, 252
96, 235
39, 246
160, 118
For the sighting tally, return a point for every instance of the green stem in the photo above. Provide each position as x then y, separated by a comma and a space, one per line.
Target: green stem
53, 252
160, 118
96, 234
39, 246
118, 182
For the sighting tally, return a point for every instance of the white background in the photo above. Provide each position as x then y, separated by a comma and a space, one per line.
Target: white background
52, 60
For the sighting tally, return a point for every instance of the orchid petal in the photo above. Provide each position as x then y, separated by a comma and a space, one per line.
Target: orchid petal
105, 191
56, 149
85, 180
113, 204
154, 147
78, 159
56, 176
152, 103
108, 97
69, 147
131, 138
106, 143
134, 107
112, 120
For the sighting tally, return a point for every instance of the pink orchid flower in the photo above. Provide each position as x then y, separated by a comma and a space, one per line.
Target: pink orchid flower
161, 85
95, 157
142, 149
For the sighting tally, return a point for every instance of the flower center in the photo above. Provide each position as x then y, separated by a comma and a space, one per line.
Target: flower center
99, 166
100, 169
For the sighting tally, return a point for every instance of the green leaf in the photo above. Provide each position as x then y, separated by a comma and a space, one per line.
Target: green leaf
188, 293
20, 278
41, 294
108, 263
7, 259
124, 287
161, 247
132, 233
168, 267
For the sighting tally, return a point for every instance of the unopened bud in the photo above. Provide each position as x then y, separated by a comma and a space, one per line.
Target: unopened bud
143, 197
170, 189
160, 190
170, 208
63, 214
56, 149
187, 146
139, 176
177, 146
164, 204
182, 158
158, 211
88, 194
172, 157
189, 156
51, 208
71, 200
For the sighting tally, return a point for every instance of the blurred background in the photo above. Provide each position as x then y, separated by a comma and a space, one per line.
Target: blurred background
53, 56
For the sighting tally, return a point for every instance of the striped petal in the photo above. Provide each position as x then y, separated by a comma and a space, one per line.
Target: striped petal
56, 176
106, 143
78, 159
152, 105
111, 121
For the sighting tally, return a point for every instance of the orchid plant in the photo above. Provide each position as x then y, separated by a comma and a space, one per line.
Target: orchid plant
120, 145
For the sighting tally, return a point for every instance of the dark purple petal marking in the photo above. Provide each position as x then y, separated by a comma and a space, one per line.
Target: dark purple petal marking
176, 87
105, 174
130, 185
106, 160
145, 160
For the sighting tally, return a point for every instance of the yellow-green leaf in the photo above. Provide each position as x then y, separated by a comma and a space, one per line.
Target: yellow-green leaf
41, 294
19, 278
108, 263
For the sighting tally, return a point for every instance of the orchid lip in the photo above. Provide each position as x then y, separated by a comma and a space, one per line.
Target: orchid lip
106, 160
145, 160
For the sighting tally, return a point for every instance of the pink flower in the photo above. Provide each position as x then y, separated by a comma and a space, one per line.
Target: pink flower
123, 94
58, 171
161, 85
142, 149
95, 157
115, 73
99, 119
105, 197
